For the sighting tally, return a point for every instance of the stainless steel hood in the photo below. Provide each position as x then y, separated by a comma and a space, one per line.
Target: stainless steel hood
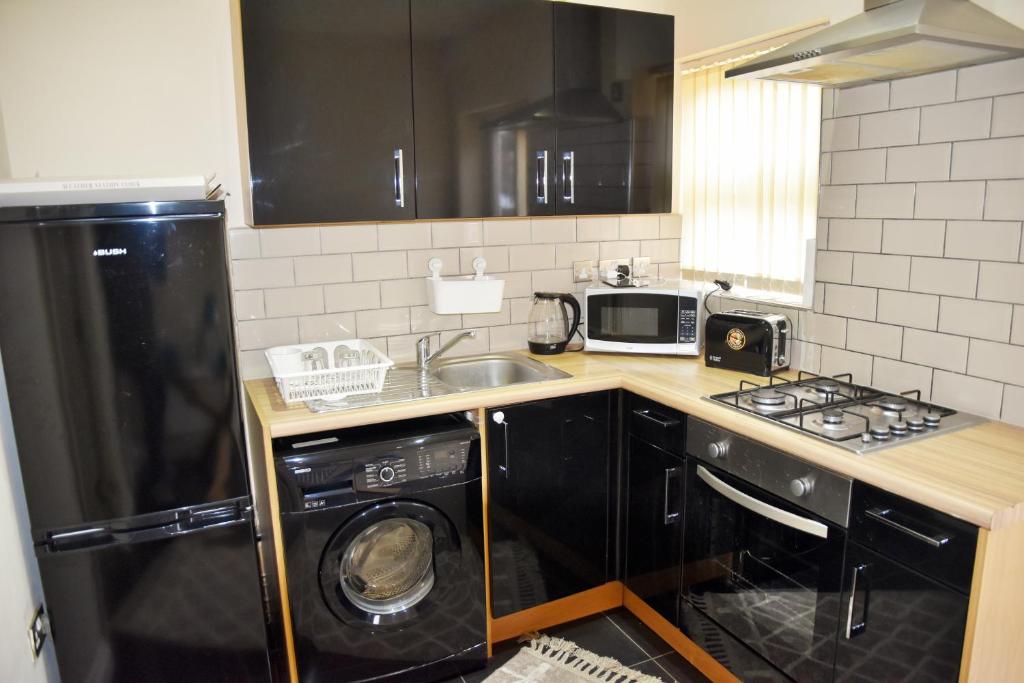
891, 39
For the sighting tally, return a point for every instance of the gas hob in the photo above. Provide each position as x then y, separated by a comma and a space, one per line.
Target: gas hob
836, 410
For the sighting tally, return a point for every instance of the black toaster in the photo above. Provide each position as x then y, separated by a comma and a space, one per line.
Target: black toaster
748, 341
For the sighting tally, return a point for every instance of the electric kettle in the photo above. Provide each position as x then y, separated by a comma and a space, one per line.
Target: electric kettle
549, 330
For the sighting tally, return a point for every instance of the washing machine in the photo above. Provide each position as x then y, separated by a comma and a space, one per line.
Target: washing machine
383, 534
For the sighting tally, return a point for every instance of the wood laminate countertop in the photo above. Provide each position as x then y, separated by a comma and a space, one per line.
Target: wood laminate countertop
976, 474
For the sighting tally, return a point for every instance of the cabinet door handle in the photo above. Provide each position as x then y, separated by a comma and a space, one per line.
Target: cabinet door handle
499, 418
853, 629
882, 515
569, 177
671, 473
660, 420
542, 176
399, 178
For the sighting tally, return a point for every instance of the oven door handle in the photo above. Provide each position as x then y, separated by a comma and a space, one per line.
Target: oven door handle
758, 507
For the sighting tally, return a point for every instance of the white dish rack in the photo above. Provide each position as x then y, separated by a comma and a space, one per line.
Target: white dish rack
329, 382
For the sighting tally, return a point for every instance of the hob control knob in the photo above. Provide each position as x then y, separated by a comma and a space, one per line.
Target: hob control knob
718, 449
386, 474
801, 487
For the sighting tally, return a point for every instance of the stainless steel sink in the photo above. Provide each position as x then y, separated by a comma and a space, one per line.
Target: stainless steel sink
493, 370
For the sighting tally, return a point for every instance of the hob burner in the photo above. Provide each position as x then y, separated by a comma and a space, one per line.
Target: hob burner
893, 403
766, 396
832, 418
826, 387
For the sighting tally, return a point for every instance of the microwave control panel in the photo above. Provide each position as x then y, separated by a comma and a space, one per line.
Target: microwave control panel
687, 320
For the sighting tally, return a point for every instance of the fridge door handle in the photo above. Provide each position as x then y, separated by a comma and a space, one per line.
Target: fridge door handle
79, 539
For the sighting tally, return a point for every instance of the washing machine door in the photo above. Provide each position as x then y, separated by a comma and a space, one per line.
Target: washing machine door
388, 563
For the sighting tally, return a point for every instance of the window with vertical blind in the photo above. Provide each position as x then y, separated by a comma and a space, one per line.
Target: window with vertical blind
749, 172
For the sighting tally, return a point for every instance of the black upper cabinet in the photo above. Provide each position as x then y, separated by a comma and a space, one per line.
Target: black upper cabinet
613, 104
483, 94
328, 87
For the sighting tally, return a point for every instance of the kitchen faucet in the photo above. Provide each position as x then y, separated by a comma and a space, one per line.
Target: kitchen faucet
423, 356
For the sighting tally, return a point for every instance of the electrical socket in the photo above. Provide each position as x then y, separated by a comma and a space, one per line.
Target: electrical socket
640, 266
38, 630
582, 271
606, 268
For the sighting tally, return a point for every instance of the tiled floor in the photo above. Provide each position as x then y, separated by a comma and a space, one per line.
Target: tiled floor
615, 634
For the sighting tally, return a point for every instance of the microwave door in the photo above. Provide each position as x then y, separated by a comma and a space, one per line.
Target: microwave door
628, 321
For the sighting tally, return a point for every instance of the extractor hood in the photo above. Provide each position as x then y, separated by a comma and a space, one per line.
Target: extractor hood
891, 39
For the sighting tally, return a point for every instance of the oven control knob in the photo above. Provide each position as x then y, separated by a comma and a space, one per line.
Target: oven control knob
386, 474
801, 487
718, 449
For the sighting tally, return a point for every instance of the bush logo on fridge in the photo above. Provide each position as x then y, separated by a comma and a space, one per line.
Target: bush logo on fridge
116, 251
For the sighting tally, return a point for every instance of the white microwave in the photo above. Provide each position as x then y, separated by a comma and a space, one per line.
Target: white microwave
659, 319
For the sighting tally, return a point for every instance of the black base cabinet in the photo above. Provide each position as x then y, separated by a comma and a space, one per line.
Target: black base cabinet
549, 469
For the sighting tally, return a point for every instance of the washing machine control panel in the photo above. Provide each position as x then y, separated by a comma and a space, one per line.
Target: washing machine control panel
434, 461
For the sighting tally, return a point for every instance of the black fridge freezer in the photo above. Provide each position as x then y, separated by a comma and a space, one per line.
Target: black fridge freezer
117, 346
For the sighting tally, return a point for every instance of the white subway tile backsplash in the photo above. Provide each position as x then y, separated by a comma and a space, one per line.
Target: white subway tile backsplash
397, 236
261, 273
422, 319
598, 228
660, 251
860, 166
456, 234
293, 301
897, 376
936, 350
881, 270
520, 310
837, 202
552, 230
475, 320
885, 201
508, 338
289, 241
515, 231
851, 302
627, 249
395, 293
670, 226
383, 265
827, 103
862, 99
834, 266
330, 327
639, 227
315, 270
855, 234
517, 285
874, 338
806, 356
823, 329
468, 347
825, 168
944, 276
821, 233
984, 80
355, 296
496, 257
986, 240
914, 238
382, 322
971, 318
921, 90
920, 162
243, 243
1017, 330
1000, 362
1002, 282
964, 200
253, 365
1013, 405
417, 260
908, 308
890, 128
553, 280
835, 361
260, 334
348, 238
1008, 115
838, 134
249, 304
1004, 200
960, 121
988, 159
402, 348
567, 254
531, 257
970, 394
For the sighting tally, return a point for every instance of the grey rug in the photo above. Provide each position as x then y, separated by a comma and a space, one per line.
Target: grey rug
556, 660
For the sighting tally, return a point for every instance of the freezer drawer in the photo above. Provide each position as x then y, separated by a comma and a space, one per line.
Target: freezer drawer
180, 608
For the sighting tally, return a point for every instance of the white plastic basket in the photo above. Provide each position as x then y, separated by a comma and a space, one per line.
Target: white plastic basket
330, 382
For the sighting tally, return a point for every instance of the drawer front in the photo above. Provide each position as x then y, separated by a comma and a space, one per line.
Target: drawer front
656, 424
933, 543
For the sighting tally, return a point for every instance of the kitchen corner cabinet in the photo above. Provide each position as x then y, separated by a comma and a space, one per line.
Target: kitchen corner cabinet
328, 94
381, 110
549, 471
654, 504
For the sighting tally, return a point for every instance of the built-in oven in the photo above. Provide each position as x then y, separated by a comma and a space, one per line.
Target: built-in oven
662, 318
763, 550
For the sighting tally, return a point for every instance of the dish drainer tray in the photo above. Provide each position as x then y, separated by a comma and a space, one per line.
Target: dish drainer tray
328, 382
